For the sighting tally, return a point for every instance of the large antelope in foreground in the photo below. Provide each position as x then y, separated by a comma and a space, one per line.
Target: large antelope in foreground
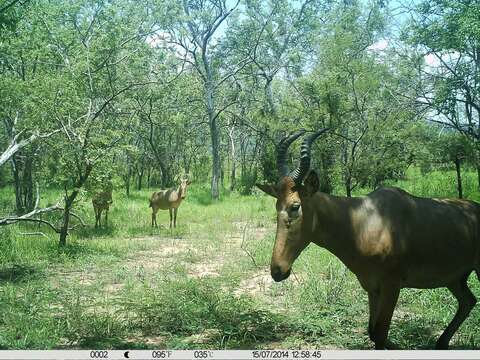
101, 201
168, 199
389, 239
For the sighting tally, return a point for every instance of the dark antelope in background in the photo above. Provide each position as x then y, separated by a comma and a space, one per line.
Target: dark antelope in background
101, 202
389, 239
168, 199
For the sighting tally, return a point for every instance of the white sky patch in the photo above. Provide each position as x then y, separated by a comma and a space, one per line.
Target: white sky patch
380, 45
163, 40
431, 60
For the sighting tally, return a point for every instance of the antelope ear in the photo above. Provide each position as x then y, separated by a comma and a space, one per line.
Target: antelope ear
312, 184
268, 189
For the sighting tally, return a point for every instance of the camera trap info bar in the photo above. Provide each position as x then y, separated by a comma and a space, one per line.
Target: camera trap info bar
236, 354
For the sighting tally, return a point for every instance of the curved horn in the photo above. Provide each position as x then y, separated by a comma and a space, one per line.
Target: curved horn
282, 148
299, 173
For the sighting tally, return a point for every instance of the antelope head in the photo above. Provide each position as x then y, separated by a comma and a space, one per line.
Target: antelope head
184, 182
293, 192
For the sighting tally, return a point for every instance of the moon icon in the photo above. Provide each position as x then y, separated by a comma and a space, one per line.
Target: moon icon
126, 354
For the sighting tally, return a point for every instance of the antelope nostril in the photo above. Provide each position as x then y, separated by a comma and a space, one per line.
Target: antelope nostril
278, 274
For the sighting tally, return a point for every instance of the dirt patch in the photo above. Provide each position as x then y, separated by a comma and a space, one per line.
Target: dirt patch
246, 230
204, 270
204, 337
83, 278
114, 288
258, 283
158, 258
233, 243
158, 342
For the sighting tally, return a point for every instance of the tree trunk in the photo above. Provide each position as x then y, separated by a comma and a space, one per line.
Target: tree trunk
232, 155
17, 186
459, 177
27, 184
348, 186
327, 163
271, 109
477, 163
215, 137
128, 176
66, 217
140, 178
478, 176
69, 199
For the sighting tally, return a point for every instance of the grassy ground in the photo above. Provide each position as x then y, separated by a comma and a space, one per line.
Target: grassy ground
205, 284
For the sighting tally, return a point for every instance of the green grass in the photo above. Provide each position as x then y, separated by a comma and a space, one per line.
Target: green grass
204, 284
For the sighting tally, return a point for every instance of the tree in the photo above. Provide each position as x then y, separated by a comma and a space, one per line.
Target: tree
76, 72
446, 35
195, 29
352, 92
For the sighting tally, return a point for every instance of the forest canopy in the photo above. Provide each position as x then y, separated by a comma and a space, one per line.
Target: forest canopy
142, 93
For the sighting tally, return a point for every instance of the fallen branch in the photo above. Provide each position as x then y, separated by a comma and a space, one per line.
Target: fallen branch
29, 217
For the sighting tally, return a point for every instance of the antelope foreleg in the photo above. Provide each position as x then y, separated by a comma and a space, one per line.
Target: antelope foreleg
373, 306
387, 301
466, 302
175, 217
170, 211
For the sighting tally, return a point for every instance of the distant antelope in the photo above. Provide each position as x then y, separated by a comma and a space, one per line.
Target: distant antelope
389, 239
168, 199
101, 202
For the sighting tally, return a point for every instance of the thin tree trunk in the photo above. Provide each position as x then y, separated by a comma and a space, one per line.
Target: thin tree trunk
271, 109
17, 186
66, 217
477, 162
232, 155
27, 184
348, 186
459, 177
140, 178
69, 199
215, 137
127, 180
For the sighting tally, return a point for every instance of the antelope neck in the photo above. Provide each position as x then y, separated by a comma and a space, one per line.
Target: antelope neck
179, 191
332, 224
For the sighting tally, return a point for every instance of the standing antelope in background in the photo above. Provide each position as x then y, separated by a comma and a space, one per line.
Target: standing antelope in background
101, 202
168, 199
389, 239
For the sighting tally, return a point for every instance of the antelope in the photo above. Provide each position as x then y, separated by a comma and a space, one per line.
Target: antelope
168, 199
389, 239
101, 202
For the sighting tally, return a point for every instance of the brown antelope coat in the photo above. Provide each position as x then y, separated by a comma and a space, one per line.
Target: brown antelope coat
101, 201
389, 239
168, 199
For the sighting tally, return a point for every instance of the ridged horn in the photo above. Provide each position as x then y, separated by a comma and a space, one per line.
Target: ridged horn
282, 148
300, 172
